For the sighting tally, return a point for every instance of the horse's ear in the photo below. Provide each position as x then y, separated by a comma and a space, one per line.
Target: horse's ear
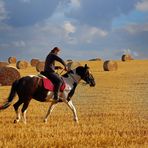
86, 67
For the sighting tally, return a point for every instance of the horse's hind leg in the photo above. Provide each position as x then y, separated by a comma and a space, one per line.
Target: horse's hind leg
24, 110
16, 107
51, 107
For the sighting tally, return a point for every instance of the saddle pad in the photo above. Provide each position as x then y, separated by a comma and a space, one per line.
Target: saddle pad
49, 85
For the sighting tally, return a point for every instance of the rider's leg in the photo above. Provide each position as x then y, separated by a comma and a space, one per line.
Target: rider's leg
57, 81
57, 86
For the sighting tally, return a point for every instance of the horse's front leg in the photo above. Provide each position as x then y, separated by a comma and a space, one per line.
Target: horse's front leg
70, 105
73, 109
51, 107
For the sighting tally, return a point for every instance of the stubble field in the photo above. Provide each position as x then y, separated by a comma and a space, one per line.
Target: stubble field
114, 113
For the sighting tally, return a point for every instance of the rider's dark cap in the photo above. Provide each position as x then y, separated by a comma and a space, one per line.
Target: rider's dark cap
56, 49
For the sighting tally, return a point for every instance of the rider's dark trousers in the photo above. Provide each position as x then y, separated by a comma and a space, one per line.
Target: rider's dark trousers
56, 80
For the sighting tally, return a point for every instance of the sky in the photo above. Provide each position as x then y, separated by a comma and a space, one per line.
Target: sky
83, 29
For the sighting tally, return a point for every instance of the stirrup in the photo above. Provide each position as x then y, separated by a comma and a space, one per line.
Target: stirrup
56, 100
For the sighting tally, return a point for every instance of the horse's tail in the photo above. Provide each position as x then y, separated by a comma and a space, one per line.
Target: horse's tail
11, 95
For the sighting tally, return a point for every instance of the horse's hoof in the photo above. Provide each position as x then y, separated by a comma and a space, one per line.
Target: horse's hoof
76, 120
16, 121
45, 120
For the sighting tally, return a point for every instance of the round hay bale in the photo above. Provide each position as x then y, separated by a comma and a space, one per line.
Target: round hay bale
34, 62
3, 64
22, 64
69, 60
110, 65
8, 75
126, 57
73, 65
40, 66
96, 59
12, 60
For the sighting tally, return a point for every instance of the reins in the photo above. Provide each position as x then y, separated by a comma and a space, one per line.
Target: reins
73, 78
70, 76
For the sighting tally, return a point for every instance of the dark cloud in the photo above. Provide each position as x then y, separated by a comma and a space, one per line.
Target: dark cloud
29, 13
101, 12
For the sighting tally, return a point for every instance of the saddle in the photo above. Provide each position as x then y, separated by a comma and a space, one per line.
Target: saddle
48, 83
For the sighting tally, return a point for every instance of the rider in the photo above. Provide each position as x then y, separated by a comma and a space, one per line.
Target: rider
50, 67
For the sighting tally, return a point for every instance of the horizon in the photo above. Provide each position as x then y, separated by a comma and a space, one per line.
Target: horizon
83, 29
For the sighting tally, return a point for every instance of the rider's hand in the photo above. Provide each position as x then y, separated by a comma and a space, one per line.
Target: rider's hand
66, 68
59, 67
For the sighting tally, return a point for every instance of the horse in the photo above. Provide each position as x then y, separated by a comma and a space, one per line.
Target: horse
32, 87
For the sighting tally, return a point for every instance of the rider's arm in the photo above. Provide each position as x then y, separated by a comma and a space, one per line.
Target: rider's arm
58, 67
59, 60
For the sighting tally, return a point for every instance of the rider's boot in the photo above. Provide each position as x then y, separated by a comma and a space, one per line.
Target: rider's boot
56, 98
57, 89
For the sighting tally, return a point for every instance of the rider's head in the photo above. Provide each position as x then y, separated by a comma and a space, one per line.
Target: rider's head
55, 50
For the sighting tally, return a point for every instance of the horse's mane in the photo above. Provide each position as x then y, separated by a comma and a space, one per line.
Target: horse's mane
80, 68
66, 74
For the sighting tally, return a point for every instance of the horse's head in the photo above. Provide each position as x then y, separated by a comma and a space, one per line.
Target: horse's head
85, 75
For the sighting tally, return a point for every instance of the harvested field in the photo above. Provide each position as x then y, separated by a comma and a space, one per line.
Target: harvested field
113, 114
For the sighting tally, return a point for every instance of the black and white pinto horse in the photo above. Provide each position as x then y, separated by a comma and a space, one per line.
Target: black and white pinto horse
31, 86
